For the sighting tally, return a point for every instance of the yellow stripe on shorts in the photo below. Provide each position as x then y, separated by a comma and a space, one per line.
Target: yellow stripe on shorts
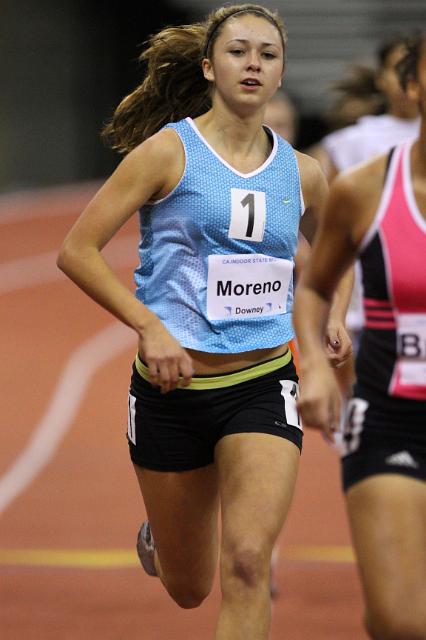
203, 383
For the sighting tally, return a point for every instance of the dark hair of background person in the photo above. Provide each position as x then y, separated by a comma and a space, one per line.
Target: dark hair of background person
174, 86
357, 92
407, 67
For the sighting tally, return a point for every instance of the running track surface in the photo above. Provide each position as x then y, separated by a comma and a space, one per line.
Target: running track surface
69, 503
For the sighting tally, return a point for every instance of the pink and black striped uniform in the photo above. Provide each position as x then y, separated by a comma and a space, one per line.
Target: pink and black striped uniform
392, 357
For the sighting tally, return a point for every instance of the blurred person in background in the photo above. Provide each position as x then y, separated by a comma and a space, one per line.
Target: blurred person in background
388, 117
282, 116
373, 133
356, 95
378, 211
212, 405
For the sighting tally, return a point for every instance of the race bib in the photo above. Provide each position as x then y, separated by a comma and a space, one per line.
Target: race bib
247, 285
248, 215
411, 332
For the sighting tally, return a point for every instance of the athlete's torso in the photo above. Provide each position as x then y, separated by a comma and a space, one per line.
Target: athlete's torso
369, 137
392, 357
217, 252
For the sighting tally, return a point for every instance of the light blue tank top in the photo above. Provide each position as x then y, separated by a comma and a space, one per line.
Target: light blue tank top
216, 254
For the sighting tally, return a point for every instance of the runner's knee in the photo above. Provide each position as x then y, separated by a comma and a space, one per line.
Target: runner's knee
247, 564
187, 594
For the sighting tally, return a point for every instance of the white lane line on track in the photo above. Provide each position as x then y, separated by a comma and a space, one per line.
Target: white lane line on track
41, 268
62, 408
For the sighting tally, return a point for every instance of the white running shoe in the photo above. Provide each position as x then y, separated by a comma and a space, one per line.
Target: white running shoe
145, 547
273, 586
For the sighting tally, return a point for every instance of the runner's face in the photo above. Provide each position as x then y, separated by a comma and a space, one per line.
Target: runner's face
247, 62
388, 81
417, 88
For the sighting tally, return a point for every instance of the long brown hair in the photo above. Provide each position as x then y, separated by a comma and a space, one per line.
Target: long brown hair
174, 86
356, 95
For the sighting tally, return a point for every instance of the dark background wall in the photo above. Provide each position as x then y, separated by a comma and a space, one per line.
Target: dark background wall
64, 66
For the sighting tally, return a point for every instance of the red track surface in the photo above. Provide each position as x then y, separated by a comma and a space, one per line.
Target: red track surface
84, 497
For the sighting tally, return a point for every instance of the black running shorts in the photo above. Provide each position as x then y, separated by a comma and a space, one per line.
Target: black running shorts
178, 431
383, 435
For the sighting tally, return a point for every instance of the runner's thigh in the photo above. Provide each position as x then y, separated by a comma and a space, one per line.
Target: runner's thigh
387, 514
182, 508
257, 474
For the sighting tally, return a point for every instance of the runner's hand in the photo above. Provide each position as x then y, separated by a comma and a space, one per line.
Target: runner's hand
168, 363
338, 345
319, 402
